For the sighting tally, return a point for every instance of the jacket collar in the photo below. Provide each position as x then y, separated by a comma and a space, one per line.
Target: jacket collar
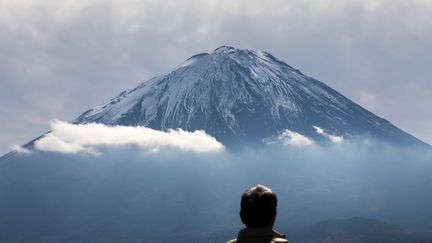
258, 232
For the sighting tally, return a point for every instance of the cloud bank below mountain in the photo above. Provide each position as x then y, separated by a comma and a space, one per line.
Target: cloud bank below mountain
87, 138
333, 138
138, 194
291, 138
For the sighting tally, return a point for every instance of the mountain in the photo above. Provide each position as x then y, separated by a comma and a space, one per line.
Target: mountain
354, 230
239, 96
242, 97
350, 230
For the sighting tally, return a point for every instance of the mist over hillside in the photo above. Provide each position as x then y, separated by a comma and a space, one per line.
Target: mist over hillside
125, 193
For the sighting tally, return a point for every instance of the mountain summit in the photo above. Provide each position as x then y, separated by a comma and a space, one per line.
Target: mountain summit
242, 96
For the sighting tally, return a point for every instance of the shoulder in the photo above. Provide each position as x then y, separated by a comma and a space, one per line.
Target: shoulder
279, 240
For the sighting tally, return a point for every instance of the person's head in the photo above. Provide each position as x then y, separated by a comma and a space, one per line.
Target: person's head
258, 207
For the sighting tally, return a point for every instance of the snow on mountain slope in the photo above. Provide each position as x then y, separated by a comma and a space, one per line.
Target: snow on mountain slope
241, 97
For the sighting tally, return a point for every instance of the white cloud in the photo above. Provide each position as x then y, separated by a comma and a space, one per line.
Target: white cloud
336, 139
333, 138
319, 130
19, 149
76, 138
289, 137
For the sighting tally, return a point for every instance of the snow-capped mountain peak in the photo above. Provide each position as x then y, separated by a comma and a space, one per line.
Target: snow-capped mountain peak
241, 96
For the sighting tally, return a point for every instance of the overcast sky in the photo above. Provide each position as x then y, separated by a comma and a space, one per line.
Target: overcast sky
59, 58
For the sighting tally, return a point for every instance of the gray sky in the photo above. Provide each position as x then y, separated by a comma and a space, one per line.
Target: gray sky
59, 58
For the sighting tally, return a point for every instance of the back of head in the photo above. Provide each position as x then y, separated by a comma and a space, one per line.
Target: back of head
258, 206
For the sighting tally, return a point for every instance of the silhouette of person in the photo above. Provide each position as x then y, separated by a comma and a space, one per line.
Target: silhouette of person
258, 212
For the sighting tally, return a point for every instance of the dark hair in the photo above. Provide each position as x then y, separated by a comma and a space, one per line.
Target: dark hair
258, 206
